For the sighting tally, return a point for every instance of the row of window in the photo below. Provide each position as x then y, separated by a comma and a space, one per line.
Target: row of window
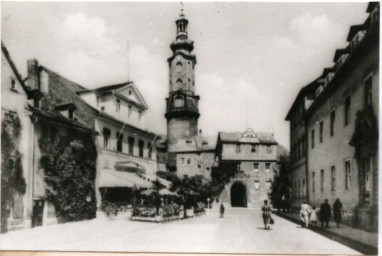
348, 177
368, 96
298, 189
254, 148
131, 141
268, 184
298, 149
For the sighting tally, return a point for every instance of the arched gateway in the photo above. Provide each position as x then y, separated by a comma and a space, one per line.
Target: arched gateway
238, 195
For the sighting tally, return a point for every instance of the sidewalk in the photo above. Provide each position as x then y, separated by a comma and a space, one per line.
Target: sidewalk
357, 239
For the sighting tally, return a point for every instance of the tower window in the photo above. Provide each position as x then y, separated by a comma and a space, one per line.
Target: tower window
179, 84
178, 101
179, 67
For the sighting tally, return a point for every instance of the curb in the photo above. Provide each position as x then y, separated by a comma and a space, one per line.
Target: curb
354, 244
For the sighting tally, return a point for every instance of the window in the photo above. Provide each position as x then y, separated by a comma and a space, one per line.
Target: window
347, 174
71, 114
208, 169
140, 115
119, 142
150, 150
253, 148
141, 144
102, 108
178, 101
238, 168
199, 166
131, 145
179, 84
321, 131
179, 67
303, 188
189, 161
129, 92
118, 106
130, 111
268, 184
256, 167
269, 149
13, 84
313, 182
347, 110
106, 137
368, 94
333, 172
238, 149
257, 185
312, 137
332, 120
182, 160
267, 167
322, 180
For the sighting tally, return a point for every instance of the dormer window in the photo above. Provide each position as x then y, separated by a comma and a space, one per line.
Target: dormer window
66, 109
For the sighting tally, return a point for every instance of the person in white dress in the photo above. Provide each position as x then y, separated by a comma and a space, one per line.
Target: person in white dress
304, 214
313, 216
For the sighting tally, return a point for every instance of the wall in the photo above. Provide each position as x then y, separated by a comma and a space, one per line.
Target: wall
229, 152
335, 150
181, 127
203, 159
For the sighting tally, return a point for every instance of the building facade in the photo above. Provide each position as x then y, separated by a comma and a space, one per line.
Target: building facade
254, 156
126, 150
182, 111
341, 128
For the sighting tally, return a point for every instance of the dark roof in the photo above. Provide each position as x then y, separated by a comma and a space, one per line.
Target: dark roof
72, 86
310, 88
195, 144
327, 71
65, 106
57, 117
371, 6
354, 30
111, 87
340, 52
235, 137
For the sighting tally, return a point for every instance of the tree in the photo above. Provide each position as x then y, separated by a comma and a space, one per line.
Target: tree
12, 180
280, 189
69, 163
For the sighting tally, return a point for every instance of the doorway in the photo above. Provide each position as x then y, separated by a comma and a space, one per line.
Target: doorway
238, 195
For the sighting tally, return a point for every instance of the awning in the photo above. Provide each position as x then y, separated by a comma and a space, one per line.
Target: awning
112, 178
130, 166
153, 178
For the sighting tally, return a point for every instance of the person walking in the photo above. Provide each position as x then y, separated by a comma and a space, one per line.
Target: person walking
266, 214
325, 213
337, 212
313, 216
304, 214
222, 210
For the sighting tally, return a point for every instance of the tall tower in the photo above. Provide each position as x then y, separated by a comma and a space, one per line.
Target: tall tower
182, 111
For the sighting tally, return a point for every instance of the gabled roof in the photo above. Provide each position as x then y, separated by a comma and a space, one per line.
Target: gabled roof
340, 52
371, 6
14, 69
310, 88
354, 30
235, 137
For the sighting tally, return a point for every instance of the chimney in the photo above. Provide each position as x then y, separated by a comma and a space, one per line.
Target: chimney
33, 74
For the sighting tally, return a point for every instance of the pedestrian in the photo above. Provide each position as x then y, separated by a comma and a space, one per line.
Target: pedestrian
304, 214
266, 214
325, 213
337, 212
222, 210
313, 216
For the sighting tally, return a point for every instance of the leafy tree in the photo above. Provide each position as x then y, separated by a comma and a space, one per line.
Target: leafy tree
12, 180
280, 185
69, 163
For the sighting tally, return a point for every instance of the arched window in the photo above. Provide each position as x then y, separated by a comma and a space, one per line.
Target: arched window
179, 84
178, 101
178, 67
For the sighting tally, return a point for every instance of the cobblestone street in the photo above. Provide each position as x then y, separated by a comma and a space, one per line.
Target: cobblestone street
240, 231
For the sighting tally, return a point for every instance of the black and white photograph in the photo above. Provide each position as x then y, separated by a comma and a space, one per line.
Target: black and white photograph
190, 127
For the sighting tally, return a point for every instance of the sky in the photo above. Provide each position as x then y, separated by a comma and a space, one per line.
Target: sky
252, 58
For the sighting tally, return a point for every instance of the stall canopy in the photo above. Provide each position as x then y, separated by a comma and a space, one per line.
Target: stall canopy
154, 178
130, 166
112, 178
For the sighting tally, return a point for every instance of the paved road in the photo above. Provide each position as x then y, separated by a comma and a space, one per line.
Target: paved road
240, 231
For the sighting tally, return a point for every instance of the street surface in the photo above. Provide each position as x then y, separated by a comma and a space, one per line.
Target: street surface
240, 231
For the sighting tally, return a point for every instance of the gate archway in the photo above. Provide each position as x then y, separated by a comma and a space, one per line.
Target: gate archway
238, 195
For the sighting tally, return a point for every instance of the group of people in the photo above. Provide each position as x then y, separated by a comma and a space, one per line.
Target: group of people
308, 214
